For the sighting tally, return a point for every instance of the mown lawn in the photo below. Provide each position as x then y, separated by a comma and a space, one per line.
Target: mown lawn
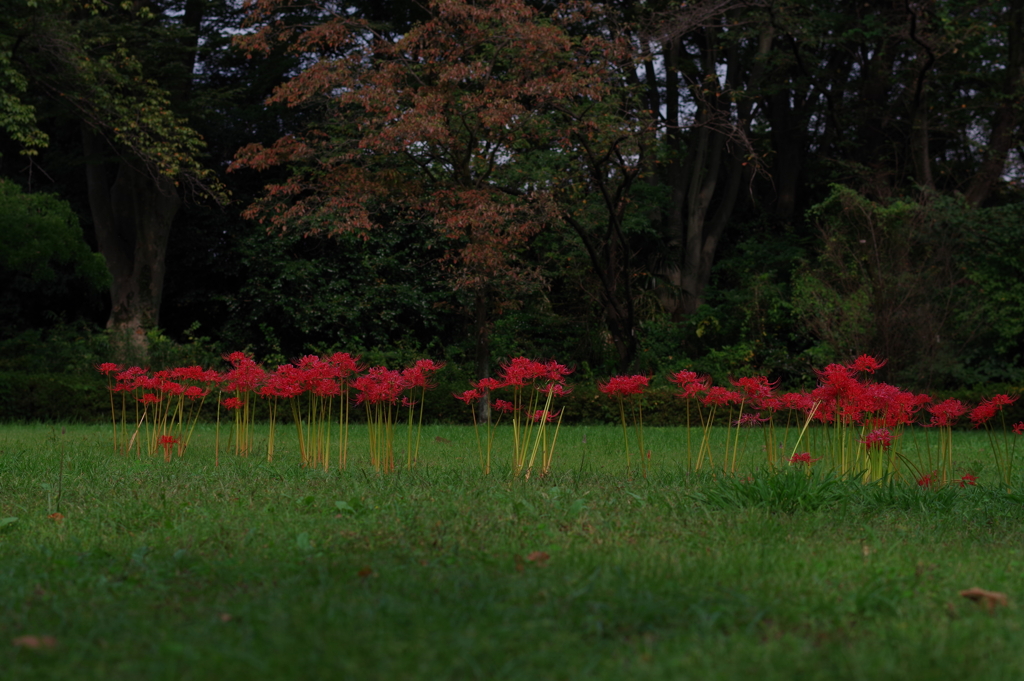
264, 571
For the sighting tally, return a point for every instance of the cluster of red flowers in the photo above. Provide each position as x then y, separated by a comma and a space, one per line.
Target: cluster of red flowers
840, 397
624, 386
927, 481
517, 374
879, 438
186, 382
321, 376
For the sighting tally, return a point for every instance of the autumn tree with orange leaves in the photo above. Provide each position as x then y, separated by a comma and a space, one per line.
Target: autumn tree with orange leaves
489, 121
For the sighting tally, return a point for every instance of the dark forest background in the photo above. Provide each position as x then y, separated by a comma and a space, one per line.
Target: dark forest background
735, 188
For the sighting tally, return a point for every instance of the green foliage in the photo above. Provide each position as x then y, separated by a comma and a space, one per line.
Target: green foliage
746, 326
993, 260
40, 235
788, 491
890, 281
47, 271
49, 374
300, 294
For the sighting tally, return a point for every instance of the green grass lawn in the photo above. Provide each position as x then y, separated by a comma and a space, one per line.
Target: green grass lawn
263, 571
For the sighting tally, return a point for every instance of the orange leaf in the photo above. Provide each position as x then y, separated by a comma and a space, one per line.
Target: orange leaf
35, 642
538, 557
990, 599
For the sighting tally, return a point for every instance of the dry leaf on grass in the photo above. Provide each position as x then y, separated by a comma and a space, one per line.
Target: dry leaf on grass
990, 599
32, 642
538, 557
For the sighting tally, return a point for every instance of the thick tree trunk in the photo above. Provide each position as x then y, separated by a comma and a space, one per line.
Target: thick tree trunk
710, 173
132, 217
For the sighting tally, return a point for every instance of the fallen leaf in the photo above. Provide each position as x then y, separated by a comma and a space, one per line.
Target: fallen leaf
990, 599
442, 439
366, 572
35, 642
538, 557
56, 517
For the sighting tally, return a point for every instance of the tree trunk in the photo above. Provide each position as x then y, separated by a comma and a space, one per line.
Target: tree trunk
132, 217
483, 351
1004, 134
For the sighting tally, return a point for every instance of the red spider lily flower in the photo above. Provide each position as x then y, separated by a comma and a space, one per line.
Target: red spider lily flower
246, 376
233, 403
469, 396
130, 378
310, 363
168, 441
797, 401
556, 389
838, 377
841, 395
489, 384
324, 387
755, 387
286, 382
690, 383
878, 438
194, 373
720, 397
429, 366
968, 480
172, 387
344, 364
555, 371
378, 385
926, 481
418, 375
520, 371
751, 420
195, 392
1018, 428
866, 364
624, 386
109, 368
945, 413
896, 407
504, 406
150, 398
984, 412
539, 414
803, 457
406, 402
413, 377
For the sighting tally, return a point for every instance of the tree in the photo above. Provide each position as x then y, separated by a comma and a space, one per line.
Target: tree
89, 62
471, 121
